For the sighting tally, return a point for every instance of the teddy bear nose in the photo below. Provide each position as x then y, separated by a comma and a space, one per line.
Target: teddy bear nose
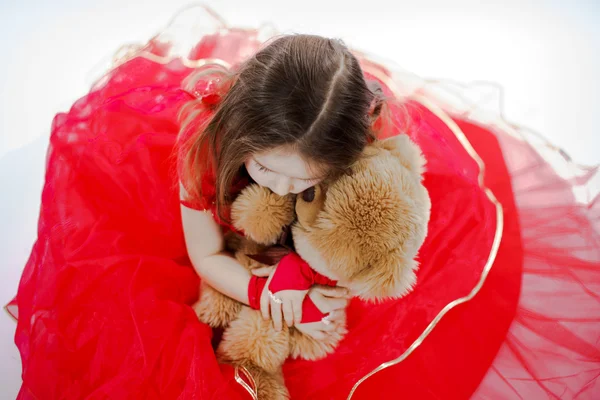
309, 195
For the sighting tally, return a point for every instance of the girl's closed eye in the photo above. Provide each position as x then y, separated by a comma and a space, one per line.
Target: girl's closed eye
262, 168
266, 170
312, 180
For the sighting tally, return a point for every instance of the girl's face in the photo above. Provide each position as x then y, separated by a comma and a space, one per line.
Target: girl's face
282, 170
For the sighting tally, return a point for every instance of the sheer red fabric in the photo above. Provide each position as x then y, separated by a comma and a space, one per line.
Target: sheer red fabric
103, 305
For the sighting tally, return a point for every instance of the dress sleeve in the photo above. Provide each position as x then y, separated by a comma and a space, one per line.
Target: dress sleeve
199, 204
207, 203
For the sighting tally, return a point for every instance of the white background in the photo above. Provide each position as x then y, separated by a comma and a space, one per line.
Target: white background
546, 55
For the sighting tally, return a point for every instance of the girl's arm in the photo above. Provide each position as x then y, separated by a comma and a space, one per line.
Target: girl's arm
205, 245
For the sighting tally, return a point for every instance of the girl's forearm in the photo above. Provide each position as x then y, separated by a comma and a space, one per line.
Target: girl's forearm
225, 274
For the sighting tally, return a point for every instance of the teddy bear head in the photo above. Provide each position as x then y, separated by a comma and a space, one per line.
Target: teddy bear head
365, 229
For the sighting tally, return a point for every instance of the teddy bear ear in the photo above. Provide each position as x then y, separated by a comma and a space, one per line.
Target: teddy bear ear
390, 278
262, 214
406, 151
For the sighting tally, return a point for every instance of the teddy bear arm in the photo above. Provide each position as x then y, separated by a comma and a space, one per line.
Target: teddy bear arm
261, 214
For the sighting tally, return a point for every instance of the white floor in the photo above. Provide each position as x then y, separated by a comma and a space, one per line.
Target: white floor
545, 56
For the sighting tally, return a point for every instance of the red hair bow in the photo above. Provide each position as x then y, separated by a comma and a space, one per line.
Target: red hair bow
211, 99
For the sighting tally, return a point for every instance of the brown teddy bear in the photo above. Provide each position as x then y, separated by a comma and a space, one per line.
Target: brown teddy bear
363, 230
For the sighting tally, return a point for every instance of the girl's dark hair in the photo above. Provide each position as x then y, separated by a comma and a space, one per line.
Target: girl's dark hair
302, 91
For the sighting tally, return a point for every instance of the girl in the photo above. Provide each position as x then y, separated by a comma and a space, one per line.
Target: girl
506, 303
296, 113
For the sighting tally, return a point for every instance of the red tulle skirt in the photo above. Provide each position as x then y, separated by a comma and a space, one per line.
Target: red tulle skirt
507, 303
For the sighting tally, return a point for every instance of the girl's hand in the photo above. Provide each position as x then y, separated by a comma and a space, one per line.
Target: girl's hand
289, 308
286, 305
329, 298
320, 330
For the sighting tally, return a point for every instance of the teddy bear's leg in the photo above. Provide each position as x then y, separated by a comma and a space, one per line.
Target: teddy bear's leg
214, 308
269, 386
308, 348
252, 340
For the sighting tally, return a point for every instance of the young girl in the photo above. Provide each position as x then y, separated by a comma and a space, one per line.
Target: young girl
140, 174
298, 112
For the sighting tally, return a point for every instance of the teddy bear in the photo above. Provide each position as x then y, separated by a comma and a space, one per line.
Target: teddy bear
363, 231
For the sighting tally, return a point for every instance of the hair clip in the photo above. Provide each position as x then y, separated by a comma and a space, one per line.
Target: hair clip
207, 91
210, 100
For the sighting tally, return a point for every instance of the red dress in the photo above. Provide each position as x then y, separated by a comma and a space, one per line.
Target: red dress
507, 301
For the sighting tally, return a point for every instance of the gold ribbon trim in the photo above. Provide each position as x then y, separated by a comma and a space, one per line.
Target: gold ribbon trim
251, 389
